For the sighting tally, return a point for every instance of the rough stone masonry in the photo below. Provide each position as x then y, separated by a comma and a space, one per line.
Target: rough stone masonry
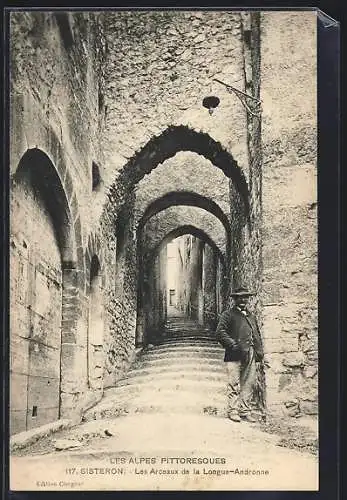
111, 151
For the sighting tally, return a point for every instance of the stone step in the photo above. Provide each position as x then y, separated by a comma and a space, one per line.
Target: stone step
176, 369
190, 339
121, 400
194, 335
181, 361
215, 410
188, 333
184, 375
183, 354
184, 324
169, 383
172, 395
209, 346
183, 327
183, 351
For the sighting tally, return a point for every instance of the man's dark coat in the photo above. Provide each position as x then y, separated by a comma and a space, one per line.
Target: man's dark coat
236, 331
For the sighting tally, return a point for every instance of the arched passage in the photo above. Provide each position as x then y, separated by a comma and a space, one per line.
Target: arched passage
185, 172
43, 250
178, 199
121, 199
213, 273
209, 217
154, 301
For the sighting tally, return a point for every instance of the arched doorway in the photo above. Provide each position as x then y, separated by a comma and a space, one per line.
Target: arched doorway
41, 239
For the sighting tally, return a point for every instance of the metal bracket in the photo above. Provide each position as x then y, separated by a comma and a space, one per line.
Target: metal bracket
253, 106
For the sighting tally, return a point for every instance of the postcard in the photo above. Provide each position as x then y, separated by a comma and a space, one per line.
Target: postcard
163, 250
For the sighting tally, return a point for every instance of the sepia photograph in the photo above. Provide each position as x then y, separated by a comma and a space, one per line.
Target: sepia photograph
163, 250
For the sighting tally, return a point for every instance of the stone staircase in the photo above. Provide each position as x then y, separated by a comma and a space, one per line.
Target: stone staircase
183, 374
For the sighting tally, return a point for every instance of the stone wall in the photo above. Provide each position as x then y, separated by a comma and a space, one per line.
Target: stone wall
290, 209
198, 46
54, 62
121, 302
197, 293
210, 284
155, 302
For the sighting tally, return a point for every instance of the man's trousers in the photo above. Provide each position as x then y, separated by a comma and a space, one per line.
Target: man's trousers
241, 382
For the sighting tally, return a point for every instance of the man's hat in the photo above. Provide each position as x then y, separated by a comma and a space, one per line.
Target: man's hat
242, 292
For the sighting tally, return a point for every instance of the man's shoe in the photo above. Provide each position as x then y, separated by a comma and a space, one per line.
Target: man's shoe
234, 417
248, 418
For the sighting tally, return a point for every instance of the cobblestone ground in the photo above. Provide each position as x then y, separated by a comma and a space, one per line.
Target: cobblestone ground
164, 427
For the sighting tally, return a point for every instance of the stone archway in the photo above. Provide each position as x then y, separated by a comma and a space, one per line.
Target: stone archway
166, 145
174, 139
165, 203
118, 217
213, 272
185, 198
153, 300
194, 231
43, 256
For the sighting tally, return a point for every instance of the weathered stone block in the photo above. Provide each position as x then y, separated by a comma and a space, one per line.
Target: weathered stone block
44, 360
310, 372
19, 319
281, 344
271, 293
309, 344
19, 354
309, 407
69, 403
312, 356
43, 392
45, 416
17, 421
18, 391
73, 368
285, 380
294, 359
67, 444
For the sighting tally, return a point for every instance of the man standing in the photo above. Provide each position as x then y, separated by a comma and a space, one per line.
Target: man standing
239, 334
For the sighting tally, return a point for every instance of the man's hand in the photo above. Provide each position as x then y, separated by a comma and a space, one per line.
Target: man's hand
266, 363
